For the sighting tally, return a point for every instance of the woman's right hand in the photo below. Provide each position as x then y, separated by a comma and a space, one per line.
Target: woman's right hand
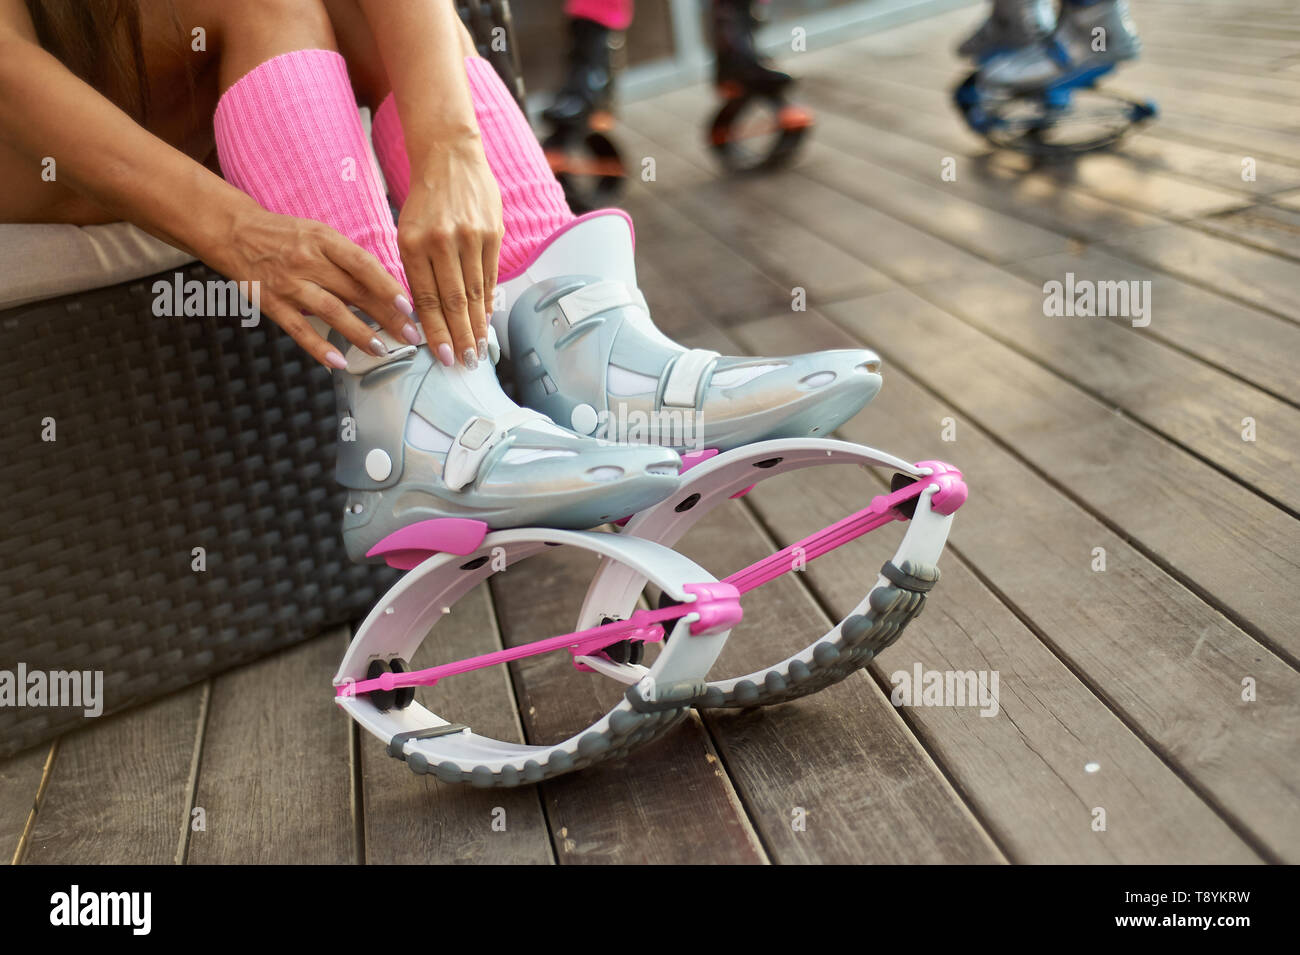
302, 265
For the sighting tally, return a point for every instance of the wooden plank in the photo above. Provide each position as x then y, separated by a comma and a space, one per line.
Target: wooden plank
928, 115
1248, 275
942, 209
823, 269
669, 801
417, 820
1167, 664
915, 255
118, 793
1253, 345
1199, 407
1260, 55
1263, 88
275, 777
20, 785
1255, 21
1214, 101
1266, 227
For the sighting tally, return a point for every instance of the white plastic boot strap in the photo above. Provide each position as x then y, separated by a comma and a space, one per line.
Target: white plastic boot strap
360, 362
685, 375
476, 438
599, 297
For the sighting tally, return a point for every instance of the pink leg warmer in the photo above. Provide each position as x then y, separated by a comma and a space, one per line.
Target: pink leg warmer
611, 14
532, 201
288, 134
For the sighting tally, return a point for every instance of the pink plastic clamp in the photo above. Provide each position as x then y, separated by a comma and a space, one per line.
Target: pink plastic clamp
952, 488
718, 605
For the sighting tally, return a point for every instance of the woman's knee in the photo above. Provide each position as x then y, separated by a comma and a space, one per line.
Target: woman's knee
253, 31
467, 47
284, 17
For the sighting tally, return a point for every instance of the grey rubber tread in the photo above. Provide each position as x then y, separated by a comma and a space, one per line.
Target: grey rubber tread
862, 636
627, 730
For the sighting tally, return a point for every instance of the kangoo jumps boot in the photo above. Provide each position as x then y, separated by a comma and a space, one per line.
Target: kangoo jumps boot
1090, 39
1012, 25
419, 440
583, 350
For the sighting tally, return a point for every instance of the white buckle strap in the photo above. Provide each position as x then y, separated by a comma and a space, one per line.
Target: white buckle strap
475, 439
599, 297
360, 362
478, 436
684, 377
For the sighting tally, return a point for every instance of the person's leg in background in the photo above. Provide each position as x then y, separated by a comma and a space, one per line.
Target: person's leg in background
611, 14
1011, 25
737, 63
588, 84
1089, 35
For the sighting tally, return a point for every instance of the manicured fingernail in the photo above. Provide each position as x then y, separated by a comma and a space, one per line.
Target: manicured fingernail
404, 306
411, 333
482, 349
377, 348
470, 359
445, 356
335, 359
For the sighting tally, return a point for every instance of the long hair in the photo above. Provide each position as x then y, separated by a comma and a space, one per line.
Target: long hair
100, 41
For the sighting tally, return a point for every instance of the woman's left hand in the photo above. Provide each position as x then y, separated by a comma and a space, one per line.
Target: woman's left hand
449, 234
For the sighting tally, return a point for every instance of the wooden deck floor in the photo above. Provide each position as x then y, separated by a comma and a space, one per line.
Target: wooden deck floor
1074, 434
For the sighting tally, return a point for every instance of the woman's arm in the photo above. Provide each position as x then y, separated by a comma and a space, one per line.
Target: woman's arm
450, 229
45, 110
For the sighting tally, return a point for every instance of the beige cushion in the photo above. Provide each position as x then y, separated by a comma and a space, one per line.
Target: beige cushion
45, 261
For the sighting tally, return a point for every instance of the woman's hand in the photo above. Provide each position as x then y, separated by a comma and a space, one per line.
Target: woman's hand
305, 266
449, 234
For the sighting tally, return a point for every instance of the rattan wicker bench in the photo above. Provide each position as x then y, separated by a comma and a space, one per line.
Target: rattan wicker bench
129, 441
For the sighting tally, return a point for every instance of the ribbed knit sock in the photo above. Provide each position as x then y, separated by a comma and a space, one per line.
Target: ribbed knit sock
532, 202
611, 14
289, 135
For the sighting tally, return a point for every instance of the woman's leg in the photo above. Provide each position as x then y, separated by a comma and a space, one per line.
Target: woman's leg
287, 127
532, 202
611, 14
